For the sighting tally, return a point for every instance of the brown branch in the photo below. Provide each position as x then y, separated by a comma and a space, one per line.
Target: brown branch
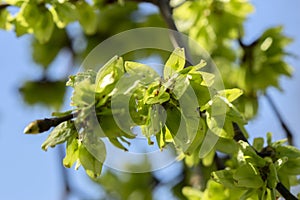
166, 12
42, 125
4, 5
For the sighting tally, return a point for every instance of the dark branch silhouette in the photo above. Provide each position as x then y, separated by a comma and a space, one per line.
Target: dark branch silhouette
42, 125
288, 133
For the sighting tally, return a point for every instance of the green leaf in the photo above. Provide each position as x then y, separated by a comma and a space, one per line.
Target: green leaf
227, 146
287, 151
291, 167
280, 162
92, 166
196, 139
63, 13
35, 19
258, 144
72, 151
247, 176
193, 69
5, 18
84, 94
192, 193
144, 72
44, 27
224, 177
250, 155
272, 178
109, 126
207, 79
46, 93
209, 158
156, 94
60, 134
218, 126
61, 114
44, 54
180, 86
95, 146
81, 76
175, 63
87, 17
109, 75
202, 92
155, 122
231, 94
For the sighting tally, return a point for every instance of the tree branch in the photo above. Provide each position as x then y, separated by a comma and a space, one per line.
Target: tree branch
288, 133
64, 175
166, 12
4, 5
285, 192
42, 125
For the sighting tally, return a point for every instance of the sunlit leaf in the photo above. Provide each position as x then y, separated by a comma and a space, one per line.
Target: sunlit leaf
175, 63
60, 134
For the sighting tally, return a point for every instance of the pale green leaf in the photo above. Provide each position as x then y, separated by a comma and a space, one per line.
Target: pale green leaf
247, 176
231, 94
72, 151
60, 134
63, 13
175, 63
87, 17
92, 166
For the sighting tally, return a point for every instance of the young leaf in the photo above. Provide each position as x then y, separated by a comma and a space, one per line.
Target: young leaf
231, 94
109, 75
288, 151
272, 178
72, 151
155, 122
44, 27
60, 134
87, 17
156, 94
5, 18
224, 177
250, 155
258, 144
92, 166
63, 13
247, 176
175, 63
144, 72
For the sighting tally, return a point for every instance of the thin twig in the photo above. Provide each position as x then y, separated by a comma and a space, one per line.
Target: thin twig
4, 5
42, 125
288, 133
64, 175
175, 37
285, 192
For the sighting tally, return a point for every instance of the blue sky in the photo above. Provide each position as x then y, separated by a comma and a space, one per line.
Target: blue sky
27, 172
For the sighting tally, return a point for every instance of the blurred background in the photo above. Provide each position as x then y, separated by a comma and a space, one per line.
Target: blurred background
27, 172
